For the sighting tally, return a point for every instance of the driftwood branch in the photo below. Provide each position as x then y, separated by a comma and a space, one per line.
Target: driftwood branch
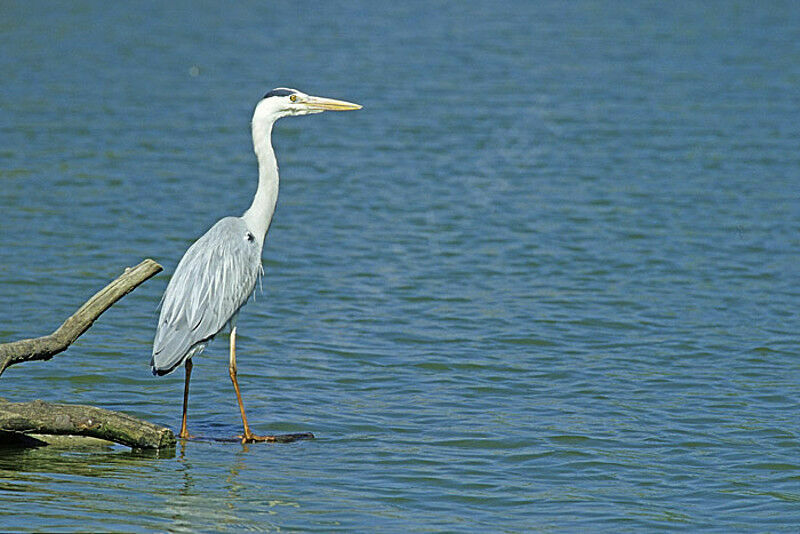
34, 423
45, 347
39, 417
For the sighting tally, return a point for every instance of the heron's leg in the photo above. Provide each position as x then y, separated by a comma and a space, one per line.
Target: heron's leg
185, 433
248, 436
232, 372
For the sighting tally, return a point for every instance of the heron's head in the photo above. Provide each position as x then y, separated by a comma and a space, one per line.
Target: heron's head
285, 102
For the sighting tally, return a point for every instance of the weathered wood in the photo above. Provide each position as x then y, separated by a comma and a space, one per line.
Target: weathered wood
40, 417
34, 423
279, 438
289, 438
45, 347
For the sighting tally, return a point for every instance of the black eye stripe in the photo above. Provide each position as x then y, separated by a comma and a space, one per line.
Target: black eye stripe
278, 92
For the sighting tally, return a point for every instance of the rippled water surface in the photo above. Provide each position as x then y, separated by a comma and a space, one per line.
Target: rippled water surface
547, 278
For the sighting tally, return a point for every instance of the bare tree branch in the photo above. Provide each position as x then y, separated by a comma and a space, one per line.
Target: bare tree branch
45, 347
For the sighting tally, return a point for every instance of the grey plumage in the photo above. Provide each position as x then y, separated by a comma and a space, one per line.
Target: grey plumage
219, 272
214, 279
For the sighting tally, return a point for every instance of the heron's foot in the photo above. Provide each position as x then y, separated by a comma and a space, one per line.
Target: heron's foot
185, 435
249, 437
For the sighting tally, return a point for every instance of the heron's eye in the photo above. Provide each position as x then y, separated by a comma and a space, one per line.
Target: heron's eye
293, 98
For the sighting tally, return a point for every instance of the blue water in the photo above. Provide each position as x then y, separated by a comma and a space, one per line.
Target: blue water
545, 280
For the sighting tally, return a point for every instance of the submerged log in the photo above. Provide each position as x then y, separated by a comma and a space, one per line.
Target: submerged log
279, 438
40, 417
45, 347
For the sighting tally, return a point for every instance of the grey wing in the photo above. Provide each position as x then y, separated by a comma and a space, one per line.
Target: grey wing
212, 281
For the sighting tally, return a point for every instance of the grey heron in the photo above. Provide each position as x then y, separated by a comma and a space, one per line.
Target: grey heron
218, 273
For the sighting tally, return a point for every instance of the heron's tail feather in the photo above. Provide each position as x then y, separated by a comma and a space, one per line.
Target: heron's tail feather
171, 349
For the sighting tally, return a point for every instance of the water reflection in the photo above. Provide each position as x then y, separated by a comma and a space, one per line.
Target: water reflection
232, 499
52, 482
89, 461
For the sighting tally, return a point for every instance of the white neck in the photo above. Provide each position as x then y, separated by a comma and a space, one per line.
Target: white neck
259, 215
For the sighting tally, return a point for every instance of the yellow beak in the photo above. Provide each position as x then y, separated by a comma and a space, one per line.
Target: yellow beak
329, 104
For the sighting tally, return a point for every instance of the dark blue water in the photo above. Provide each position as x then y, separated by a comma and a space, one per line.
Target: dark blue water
545, 280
